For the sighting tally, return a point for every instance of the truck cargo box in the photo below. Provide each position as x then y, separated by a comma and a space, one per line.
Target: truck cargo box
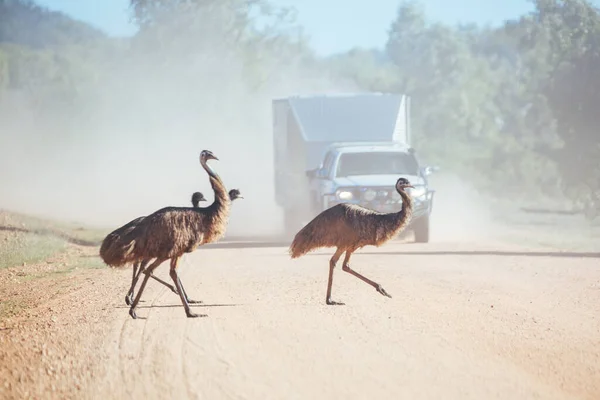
304, 126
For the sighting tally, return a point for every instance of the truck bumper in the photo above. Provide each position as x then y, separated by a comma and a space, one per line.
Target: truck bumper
422, 206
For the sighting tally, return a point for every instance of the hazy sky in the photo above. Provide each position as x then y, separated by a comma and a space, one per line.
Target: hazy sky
333, 25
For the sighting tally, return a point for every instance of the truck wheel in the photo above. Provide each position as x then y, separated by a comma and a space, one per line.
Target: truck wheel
421, 230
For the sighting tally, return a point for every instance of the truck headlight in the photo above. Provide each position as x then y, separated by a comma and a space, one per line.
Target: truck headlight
369, 195
344, 195
418, 191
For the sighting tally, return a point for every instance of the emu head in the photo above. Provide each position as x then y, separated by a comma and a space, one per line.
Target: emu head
235, 194
402, 184
197, 197
206, 155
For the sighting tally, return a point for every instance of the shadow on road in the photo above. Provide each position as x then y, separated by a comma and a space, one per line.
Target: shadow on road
239, 243
244, 242
181, 305
249, 243
485, 253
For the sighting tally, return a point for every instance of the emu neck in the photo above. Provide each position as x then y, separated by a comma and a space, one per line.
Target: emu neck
404, 215
222, 200
220, 206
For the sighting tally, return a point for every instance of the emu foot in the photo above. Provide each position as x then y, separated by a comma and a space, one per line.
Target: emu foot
334, 303
194, 301
192, 315
382, 291
132, 313
129, 300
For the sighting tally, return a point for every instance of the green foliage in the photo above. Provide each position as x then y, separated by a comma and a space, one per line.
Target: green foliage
228, 30
573, 90
24, 23
368, 69
513, 106
455, 78
29, 248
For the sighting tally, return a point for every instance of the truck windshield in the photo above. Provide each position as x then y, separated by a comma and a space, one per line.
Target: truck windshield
376, 163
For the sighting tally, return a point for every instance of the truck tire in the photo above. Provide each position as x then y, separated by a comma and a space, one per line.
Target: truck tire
421, 229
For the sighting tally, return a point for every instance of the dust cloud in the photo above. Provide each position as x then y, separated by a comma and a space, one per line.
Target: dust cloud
132, 146
460, 212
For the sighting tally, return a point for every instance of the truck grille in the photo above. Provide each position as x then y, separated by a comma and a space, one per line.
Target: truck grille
382, 199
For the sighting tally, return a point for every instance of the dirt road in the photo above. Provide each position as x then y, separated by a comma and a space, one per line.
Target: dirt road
465, 322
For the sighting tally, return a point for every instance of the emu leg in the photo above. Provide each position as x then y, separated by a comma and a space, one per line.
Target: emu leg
332, 262
134, 277
346, 267
138, 268
173, 273
173, 289
148, 272
185, 294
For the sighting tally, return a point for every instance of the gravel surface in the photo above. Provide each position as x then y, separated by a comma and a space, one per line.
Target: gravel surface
468, 320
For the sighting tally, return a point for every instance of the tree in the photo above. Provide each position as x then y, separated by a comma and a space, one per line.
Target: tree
565, 37
25, 23
456, 115
251, 34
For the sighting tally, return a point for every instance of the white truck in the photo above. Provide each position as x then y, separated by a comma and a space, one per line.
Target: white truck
346, 148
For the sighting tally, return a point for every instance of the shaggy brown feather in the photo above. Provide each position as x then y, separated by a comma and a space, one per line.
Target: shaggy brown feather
118, 243
234, 194
111, 250
181, 231
173, 231
348, 226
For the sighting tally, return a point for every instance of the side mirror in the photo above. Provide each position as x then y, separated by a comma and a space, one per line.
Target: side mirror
317, 173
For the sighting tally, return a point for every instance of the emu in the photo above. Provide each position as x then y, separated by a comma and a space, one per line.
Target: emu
170, 232
349, 227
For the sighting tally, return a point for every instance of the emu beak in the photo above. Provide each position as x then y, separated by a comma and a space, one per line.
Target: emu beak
240, 197
410, 186
209, 155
